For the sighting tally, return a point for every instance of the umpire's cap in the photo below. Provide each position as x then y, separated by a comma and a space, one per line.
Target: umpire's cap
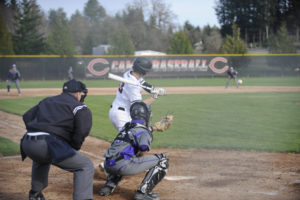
142, 65
73, 86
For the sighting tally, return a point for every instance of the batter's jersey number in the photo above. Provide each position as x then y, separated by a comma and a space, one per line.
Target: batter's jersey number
121, 86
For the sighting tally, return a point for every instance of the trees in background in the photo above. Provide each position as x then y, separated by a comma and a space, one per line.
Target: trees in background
60, 38
282, 42
180, 44
28, 37
121, 43
258, 19
234, 44
6, 46
147, 25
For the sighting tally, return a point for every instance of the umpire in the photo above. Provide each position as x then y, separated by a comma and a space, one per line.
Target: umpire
56, 127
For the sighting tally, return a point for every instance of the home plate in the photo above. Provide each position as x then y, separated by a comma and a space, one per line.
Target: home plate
179, 178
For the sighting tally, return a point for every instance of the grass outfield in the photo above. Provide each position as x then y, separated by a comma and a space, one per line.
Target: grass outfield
7, 147
263, 81
247, 121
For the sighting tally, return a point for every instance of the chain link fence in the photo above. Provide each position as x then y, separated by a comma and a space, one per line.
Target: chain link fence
185, 66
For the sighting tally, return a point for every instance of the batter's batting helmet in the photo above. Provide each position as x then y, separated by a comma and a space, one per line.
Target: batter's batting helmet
140, 111
142, 65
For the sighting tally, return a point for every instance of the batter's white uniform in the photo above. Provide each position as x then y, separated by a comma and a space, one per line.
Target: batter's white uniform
119, 113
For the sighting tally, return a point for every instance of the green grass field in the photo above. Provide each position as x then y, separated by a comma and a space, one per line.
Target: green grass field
247, 121
263, 81
7, 147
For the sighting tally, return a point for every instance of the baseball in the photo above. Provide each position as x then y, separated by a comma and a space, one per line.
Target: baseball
240, 81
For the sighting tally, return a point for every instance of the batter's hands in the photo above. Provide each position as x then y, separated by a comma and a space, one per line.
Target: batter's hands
155, 92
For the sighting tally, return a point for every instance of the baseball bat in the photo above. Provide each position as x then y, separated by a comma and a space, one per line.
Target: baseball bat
121, 79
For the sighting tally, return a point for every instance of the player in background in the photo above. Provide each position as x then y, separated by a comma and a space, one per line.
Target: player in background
70, 73
125, 155
127, 94
232, 74
13, 76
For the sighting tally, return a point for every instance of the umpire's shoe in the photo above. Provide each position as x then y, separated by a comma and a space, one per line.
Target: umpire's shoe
144, 196
36, 195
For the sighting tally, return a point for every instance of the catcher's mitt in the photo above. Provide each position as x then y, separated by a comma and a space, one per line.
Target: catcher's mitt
165, 123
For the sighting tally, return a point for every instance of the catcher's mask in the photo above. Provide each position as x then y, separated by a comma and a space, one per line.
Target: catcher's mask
140, 112
73, 86
142, 65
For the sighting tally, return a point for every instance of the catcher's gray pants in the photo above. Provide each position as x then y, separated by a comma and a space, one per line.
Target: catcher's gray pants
81, 166
124, 167
9, 82
133, 166
235, 80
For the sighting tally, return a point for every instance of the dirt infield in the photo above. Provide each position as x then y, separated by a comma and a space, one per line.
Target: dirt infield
170, 90
193, 174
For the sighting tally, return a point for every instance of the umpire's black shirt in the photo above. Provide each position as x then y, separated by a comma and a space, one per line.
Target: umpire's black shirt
62, 116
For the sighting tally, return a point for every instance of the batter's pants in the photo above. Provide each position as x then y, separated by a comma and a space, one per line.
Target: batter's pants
118, 116
82, 168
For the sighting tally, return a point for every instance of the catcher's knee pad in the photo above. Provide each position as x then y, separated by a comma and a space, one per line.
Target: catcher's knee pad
163, 161
155, 174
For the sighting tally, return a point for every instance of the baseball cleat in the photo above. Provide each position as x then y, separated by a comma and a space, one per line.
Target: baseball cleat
36, 195
144, 196
106, 190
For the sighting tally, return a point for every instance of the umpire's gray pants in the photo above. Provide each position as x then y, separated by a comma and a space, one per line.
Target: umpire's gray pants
9, 82
81, 166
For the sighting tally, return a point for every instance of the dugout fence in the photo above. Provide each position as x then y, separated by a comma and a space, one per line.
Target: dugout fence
45, 67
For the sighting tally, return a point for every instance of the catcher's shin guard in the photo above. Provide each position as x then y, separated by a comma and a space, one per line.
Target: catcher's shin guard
110, 185
155, 174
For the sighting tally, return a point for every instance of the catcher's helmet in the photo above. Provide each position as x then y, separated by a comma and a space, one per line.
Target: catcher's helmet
141, 111
142, 65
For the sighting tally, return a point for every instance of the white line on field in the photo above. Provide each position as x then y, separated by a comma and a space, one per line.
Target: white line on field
5, 123
10, 157
179, 178
92, 154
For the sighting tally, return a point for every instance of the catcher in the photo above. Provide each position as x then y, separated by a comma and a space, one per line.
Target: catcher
124, 157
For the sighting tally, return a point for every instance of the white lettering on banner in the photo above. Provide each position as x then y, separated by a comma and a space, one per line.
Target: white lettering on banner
164, 65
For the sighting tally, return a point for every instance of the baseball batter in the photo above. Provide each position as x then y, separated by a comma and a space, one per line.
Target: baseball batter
124, 157
128, 94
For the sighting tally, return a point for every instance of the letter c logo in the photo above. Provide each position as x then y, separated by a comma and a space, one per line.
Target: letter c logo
95, 72
218, 59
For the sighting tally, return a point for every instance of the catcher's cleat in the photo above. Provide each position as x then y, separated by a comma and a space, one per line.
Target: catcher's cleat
144, 196
106, 190
36, 195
